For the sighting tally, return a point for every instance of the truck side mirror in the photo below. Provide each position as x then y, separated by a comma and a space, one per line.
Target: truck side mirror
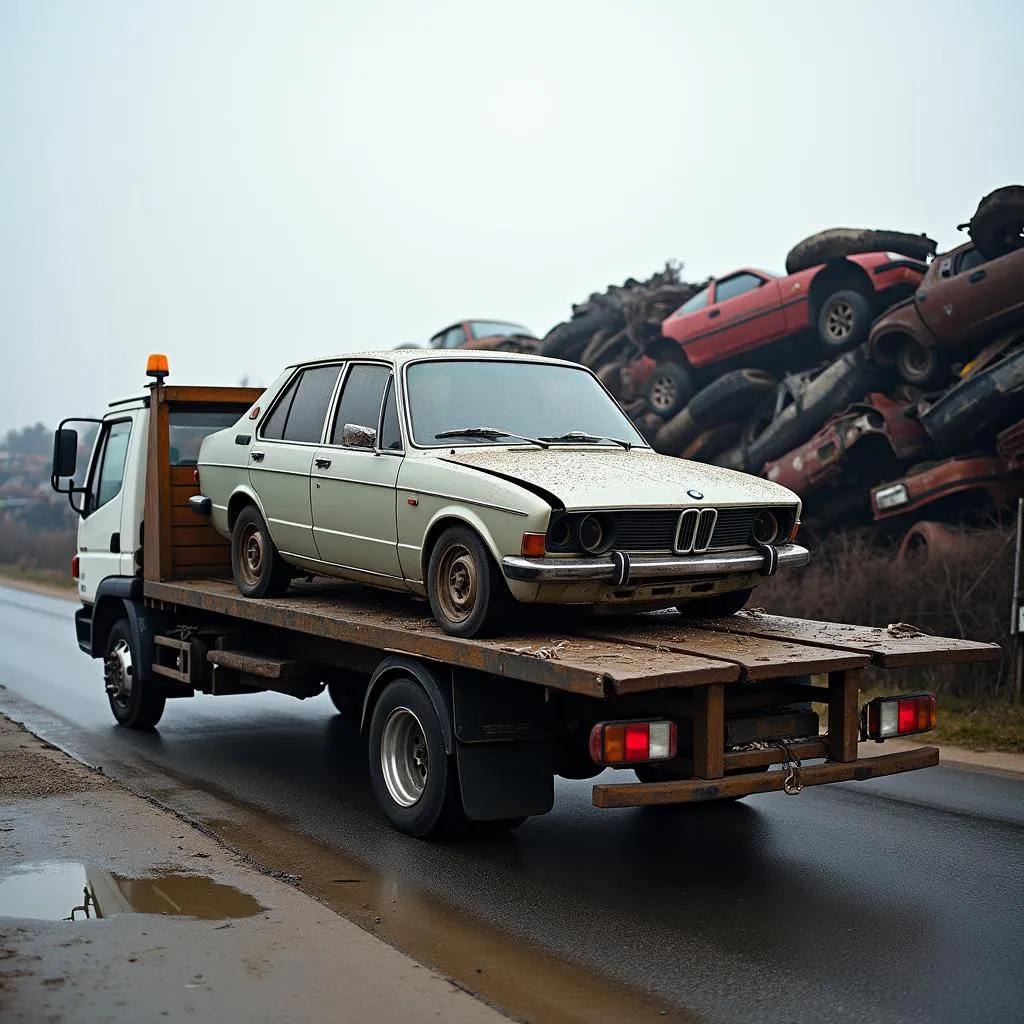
65, 454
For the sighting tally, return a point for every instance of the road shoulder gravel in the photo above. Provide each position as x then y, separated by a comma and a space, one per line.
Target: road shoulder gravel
290, 959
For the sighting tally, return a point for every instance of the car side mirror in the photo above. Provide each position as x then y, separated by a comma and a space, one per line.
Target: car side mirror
356, 436
65, 453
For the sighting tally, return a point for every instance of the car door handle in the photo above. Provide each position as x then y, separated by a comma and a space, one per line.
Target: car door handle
256, 456
714, 312
978, 275
322, 463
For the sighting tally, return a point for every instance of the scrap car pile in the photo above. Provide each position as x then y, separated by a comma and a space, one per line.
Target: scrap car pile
877, 379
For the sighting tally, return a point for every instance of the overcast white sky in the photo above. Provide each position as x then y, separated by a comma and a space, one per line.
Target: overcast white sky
241, 184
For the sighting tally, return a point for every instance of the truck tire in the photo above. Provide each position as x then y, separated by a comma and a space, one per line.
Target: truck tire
256, 565
838, 243
844, 321
466, 590
997, 226
717, 606
414, 780
732, 397
669, 388
135, 703
920, 365
568, 340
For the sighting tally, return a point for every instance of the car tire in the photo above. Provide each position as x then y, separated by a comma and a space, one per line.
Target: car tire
135, 703
568, 340
920, 365
256, 565
669, 388
997, 226
716, 606
731, 397
414, 780
465, 588
844, 321
838, 243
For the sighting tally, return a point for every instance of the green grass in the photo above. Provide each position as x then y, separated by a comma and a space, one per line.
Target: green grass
50, 577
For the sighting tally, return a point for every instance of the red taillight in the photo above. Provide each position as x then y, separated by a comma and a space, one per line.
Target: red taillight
613, 743
74, 567
886, 717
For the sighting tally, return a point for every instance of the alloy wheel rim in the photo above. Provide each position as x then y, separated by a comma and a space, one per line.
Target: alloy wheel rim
457, 582
404, 759
840, 321
663, 393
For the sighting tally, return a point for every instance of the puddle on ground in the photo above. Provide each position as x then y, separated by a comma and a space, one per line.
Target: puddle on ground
62, 891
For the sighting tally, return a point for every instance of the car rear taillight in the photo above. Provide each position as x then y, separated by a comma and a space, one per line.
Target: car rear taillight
886, 717
74, 567
616, 743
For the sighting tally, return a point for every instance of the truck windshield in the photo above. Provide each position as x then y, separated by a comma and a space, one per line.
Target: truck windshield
525, 398
188, 427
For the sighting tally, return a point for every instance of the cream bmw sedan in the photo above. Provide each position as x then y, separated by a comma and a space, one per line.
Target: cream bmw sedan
473, 478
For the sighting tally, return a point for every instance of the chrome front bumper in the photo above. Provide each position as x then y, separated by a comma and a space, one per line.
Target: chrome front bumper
621, 569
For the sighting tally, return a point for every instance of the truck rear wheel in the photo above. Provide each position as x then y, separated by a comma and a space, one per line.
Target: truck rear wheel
135, 702
258, 569
414, 781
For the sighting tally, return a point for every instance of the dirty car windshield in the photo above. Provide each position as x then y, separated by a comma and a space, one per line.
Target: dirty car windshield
526, 398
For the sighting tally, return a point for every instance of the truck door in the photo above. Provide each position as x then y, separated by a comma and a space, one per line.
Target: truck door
282, 453
353, 492
106, 541
745, 313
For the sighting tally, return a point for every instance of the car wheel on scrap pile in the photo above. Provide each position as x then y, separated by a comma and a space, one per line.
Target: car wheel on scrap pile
920, 365
997, 226
844, 321
466, 590
413, 778
136, 703
669, 388
256, 565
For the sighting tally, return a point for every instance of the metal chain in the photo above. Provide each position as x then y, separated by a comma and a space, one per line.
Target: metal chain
791, 784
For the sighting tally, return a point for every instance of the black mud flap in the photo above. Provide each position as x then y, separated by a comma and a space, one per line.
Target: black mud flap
503, 747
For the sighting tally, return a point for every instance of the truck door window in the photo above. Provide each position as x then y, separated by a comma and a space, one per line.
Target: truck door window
108, 476
308, 408
361, 398
694, 302
738, 284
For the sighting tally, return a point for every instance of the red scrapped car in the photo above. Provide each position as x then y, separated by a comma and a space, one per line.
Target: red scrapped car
495, 335
752, 318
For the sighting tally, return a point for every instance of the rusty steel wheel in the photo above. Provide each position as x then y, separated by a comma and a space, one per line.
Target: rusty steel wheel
464, 586
256, 565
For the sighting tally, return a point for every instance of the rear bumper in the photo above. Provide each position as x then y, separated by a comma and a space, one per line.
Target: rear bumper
622, 569
639, 794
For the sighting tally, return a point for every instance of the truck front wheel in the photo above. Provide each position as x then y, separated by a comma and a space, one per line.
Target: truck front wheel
414, 781
844, 321
135, 702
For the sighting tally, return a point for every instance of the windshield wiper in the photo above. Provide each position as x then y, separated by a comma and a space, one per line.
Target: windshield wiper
580, 438
492, 433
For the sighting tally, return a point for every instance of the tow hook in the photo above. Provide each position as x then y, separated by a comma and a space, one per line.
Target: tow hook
771, 558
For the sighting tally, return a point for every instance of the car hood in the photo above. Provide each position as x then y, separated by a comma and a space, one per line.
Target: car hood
592, 477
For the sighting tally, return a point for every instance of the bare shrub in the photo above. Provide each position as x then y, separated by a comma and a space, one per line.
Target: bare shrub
965, 593
30, 548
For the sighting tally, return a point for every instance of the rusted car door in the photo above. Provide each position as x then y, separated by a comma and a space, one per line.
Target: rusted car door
965, 297
745, 313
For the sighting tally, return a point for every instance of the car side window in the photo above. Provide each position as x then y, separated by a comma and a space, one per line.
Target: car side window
308, 410
968, 260
361, 398
738, 284
390, 439
454, 338
695, 302
273, 428
109, 473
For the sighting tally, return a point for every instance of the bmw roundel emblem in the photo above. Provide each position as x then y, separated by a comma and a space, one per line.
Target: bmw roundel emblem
695, 494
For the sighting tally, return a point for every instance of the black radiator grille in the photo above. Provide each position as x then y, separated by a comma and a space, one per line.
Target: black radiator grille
655, 531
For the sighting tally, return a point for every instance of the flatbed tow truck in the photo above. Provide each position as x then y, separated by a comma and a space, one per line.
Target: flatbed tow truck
698, 709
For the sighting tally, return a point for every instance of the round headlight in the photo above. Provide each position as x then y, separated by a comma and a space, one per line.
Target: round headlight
596, 534
766, 527
559, 533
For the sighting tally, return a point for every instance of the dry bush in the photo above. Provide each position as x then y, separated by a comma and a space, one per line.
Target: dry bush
31, 548
963, 594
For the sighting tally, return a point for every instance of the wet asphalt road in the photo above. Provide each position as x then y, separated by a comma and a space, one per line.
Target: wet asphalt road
895, 900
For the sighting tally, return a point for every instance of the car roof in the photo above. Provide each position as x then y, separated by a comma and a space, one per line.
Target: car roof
454, 355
